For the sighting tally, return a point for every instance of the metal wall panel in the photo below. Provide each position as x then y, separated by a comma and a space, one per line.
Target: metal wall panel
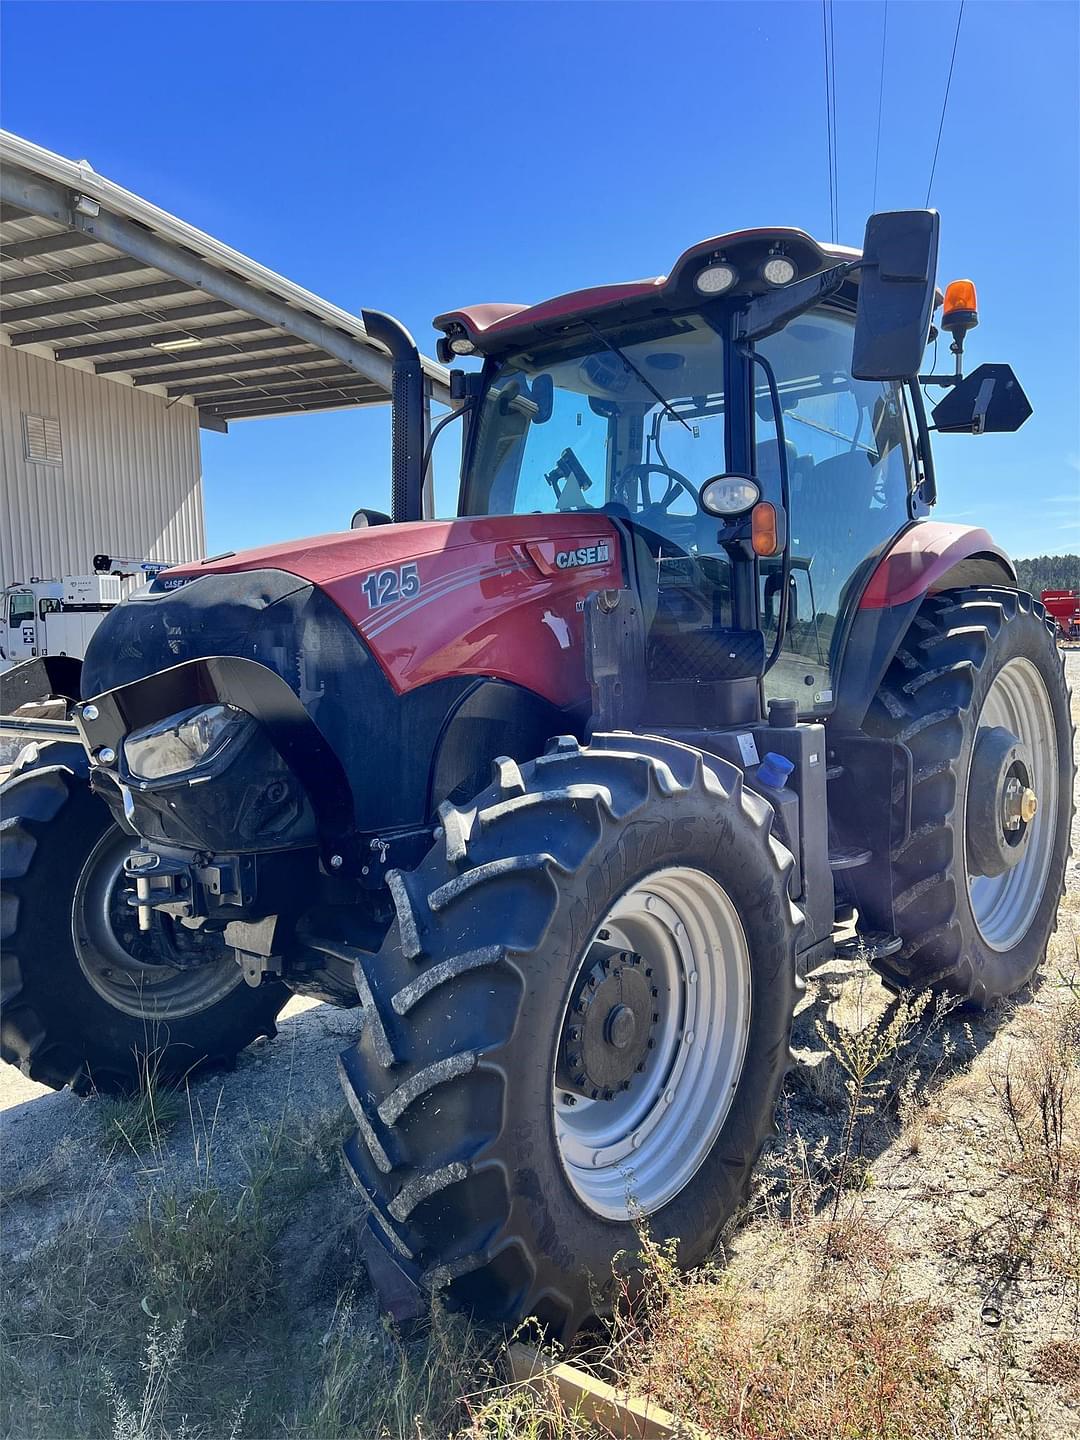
129, 484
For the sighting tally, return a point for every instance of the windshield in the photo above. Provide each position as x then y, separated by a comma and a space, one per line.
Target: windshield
585, 430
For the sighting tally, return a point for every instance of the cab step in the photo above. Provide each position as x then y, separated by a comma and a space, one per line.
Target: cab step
869, 945
849, 857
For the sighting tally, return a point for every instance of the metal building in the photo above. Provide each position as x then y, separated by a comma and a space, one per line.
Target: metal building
122, 331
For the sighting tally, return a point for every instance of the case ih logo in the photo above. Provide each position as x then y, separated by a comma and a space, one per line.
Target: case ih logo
598, 554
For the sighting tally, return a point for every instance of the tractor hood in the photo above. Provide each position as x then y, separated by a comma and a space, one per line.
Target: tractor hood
494, 596
399, 641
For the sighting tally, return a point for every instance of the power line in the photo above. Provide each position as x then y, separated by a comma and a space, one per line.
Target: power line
835, 130
880, 94
945, 102
830, 113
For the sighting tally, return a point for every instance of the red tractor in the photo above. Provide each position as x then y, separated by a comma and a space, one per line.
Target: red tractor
1063, 607
564, 793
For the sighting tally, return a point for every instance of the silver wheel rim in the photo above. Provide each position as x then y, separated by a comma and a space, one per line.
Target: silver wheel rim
101, 924
1004, 905
633, 1154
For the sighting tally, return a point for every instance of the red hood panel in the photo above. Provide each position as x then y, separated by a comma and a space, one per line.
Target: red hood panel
495, 596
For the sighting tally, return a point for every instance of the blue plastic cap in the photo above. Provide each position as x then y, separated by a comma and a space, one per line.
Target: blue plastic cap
774, 770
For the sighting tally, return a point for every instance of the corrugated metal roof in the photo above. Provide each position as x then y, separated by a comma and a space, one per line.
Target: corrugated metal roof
105, 281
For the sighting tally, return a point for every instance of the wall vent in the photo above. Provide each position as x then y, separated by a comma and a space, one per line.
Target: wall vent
41, 437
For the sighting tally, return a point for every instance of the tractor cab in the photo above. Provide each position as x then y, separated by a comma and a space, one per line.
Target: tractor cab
637, 433
754, 422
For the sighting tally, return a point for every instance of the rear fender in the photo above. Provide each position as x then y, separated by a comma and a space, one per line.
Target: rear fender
928, 557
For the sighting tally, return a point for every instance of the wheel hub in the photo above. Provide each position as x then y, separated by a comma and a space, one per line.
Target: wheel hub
1001, 801
656, 1023
1012, 804
607, 1030
165, 974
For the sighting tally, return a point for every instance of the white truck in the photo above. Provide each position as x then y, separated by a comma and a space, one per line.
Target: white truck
54, 617
57, 617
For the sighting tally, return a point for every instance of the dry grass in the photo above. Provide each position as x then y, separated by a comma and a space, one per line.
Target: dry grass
176, 1322
908, 1267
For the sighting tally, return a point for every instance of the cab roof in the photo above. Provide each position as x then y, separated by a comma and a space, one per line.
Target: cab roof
497, 325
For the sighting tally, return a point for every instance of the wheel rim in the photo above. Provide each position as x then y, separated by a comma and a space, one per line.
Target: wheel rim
125, 967
634, 1153
1004, 905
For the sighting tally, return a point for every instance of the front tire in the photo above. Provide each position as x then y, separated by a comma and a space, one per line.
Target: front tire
557, 891
977, 692
86, 1001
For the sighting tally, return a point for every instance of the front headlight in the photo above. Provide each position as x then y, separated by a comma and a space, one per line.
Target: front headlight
182, 741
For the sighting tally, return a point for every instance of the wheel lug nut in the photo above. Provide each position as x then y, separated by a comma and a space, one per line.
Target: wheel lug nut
641, 1067
636, 1140
669, 1096
693, 977
653, 991
689, 1038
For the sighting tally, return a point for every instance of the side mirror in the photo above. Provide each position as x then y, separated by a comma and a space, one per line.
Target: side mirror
990, 398
363, 518
896, 294
543, 396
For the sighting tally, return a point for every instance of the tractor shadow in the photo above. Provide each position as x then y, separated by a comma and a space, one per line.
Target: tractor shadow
868, 1064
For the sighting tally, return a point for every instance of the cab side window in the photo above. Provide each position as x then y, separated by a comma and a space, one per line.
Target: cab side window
21, 607
851, 469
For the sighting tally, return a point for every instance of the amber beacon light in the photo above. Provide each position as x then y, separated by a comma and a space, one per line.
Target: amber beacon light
961, 308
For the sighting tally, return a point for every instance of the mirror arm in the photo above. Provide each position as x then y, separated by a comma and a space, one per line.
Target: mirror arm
460, 413
767, 313
944, 381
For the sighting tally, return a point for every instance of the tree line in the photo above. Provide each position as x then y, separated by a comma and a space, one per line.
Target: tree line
1049, 572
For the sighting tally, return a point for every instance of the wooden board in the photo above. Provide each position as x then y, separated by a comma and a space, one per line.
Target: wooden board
626, 1417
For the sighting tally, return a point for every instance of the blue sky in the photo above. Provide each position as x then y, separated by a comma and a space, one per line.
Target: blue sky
414, 156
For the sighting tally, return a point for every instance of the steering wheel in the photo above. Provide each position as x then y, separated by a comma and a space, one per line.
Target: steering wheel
642, 470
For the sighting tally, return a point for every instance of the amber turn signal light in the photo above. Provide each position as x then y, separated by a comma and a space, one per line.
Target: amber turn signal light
764, 530
961, 308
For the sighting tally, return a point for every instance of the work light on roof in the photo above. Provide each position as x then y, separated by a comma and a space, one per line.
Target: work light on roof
778, 270
462, 345
716, 279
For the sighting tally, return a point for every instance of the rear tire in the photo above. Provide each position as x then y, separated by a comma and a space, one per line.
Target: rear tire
64, 1020
453, 1082
975, 662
